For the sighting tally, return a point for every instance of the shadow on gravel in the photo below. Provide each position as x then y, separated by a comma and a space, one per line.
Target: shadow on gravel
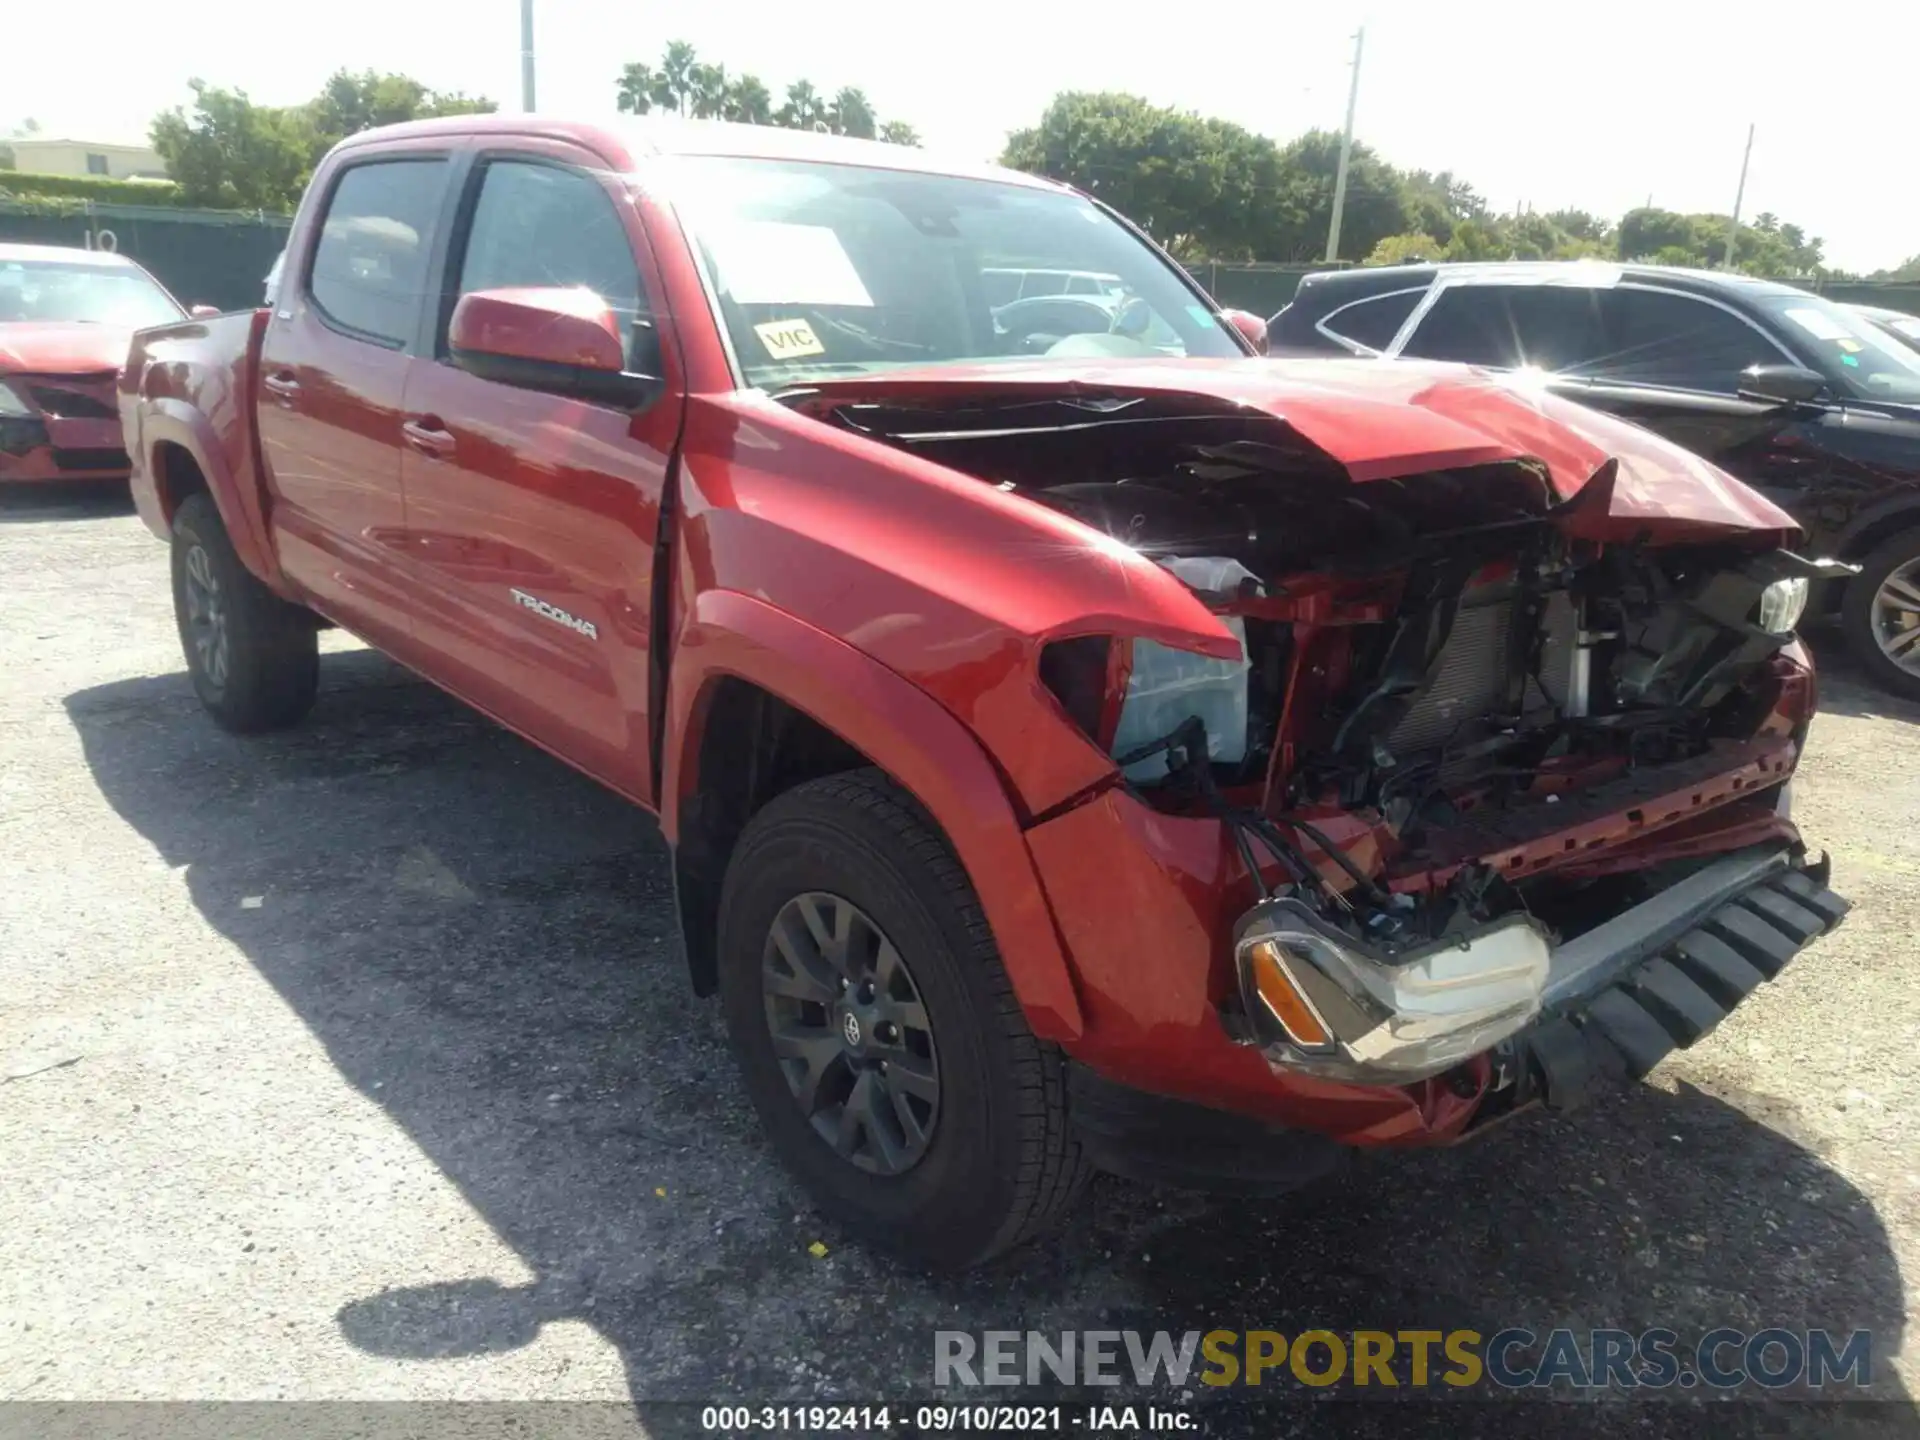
484, 942
64, 500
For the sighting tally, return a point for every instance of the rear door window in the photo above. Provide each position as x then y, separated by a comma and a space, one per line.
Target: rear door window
1547, 327
1664, 338
370, 265
1373, 322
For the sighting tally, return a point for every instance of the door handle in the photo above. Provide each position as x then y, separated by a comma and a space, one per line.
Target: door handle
282, 383
428, 435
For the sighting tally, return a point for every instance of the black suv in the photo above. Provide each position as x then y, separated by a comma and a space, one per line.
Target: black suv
1807, 401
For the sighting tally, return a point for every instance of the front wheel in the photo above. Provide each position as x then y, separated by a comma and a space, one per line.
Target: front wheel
1880, 614
877, 1031
254, 658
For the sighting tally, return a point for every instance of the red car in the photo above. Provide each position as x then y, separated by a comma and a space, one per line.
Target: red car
1081, 741
66, 319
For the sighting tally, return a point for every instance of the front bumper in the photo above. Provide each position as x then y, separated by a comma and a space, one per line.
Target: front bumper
1619, 999
1656, 979
37, 448
1659, 974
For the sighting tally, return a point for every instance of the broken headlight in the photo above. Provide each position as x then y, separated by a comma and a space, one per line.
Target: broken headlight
1781, 605
1324, 1003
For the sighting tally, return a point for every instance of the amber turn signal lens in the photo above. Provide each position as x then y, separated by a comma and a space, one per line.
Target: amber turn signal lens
1289, 1006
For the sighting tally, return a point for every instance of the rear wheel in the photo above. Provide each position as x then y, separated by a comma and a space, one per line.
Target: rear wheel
1880, 613
878, 1033
254, 659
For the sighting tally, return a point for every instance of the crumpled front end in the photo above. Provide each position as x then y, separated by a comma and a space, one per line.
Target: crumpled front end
60, 428
1479, 698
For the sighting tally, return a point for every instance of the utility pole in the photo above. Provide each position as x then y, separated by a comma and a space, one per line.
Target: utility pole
1346, 149
1733, 231
526, 55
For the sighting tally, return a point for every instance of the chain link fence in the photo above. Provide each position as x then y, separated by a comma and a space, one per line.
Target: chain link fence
205, 257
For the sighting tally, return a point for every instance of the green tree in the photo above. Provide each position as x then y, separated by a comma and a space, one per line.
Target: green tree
683, 84
349, 103
1375, 207
805, 108
1437, 202
749, 101
1164, 169
707, 92
852, 114
229, 153
642, 89
1410, 249
1647, 231
1578, 224
676, 71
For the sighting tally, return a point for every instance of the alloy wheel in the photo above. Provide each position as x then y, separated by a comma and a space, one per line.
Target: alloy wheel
206, 616
850, 1033
1896, 616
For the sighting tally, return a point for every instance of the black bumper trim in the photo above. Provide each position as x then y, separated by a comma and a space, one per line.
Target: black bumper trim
1160, 1140
1668, 1001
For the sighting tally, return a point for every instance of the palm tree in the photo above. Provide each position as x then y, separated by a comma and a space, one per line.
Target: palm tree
852, 114
749, 101
638, 81
899, 132
804, 109
676, 67
708, 84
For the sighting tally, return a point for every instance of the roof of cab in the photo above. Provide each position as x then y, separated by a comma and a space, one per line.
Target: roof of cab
624, 142
65, 254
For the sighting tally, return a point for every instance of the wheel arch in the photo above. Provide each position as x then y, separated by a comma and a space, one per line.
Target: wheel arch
184, 457
759, 701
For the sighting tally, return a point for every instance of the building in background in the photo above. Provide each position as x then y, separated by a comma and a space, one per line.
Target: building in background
41, 155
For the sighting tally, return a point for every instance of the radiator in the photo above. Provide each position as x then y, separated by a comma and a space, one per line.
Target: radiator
1471, 680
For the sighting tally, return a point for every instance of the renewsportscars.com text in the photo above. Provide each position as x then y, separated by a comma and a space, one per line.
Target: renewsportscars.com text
1515, 1358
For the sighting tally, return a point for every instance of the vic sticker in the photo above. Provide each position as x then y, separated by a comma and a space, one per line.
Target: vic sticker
789, 339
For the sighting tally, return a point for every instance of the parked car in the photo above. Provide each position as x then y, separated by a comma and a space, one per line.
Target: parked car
1004, 283
1901, 326
66, 319
1807, 401
1180, 765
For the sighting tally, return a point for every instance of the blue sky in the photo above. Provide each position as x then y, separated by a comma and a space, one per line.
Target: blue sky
1599, 107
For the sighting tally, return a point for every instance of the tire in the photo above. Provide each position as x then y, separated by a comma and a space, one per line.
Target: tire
1860, 617
254, 658
999, 1164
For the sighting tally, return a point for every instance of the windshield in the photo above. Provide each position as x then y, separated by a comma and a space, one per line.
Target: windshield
832, 269
95, 294
1856, 356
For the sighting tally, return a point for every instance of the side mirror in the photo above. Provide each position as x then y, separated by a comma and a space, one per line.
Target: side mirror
1781, 384
562, 340
203, 312
1251, 327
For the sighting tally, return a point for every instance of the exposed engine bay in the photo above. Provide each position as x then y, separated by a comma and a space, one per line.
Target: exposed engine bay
1454, 705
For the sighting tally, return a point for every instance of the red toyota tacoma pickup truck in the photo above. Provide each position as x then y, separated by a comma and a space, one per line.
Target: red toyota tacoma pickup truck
1082, 742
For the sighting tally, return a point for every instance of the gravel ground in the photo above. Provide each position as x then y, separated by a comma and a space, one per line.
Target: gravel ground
358, 1063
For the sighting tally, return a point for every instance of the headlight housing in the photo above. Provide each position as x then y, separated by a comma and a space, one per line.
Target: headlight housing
1326, 1004
1781, 605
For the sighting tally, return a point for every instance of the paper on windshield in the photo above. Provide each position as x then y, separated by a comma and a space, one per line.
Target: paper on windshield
772, 262
1819, 325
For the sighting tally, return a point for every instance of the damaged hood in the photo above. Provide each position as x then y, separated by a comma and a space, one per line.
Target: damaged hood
1379, 420
48, 347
